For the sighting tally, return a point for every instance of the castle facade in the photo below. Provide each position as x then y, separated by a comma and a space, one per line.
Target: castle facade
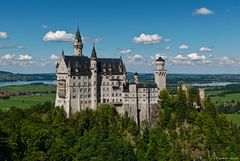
85, 82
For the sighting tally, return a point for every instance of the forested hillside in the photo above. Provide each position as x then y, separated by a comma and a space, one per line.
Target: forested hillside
181, 133
7, 76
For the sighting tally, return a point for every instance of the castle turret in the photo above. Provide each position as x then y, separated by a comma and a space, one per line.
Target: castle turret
160, 73
78, 44
136, 78
94, 79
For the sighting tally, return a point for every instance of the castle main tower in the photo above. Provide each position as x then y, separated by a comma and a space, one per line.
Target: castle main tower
78, 44
160, 74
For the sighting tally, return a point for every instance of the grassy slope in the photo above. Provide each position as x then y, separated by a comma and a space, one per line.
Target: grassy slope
227, 97
235, 118
25, 101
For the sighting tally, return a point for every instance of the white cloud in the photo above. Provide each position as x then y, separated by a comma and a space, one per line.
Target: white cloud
225, 60
196, 57
58, 36
7, 57
24, 57
203, 11
3, 35
44, 26
205, 49
14, 58
127, 51
147, 39
179, 57
12, 47
54, 57
137, 57
183, 47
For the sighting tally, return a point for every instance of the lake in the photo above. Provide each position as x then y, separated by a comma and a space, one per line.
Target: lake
2, 84
213, 84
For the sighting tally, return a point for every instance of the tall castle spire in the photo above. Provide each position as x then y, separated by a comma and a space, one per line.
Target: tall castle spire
78, 44
94, 54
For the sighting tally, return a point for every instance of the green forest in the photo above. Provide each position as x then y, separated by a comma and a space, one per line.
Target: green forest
181, 132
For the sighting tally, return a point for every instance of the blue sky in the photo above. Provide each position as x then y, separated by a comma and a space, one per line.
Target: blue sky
194, 36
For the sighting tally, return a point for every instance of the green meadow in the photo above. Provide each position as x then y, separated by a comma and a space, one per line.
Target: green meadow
235, 118
45, 93
25, 101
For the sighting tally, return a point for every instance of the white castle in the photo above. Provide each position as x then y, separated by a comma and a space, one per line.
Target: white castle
85, 82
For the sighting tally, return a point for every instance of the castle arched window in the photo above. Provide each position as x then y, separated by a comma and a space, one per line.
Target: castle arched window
61, 86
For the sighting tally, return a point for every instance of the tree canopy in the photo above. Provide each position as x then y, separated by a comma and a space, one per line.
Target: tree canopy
181, 132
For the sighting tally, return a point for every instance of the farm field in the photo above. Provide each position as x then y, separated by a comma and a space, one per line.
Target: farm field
33, 88
226, 98
25, 101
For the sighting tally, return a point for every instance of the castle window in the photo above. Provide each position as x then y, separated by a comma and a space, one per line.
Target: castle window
80, 89
74, 77
89, 96
61, 85
119, 94
74, 90
103, 89
113, 94
74, 97
85, 89
116, 94
113, 100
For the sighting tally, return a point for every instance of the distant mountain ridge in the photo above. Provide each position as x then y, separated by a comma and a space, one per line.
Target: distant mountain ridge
145, 77
8, 76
